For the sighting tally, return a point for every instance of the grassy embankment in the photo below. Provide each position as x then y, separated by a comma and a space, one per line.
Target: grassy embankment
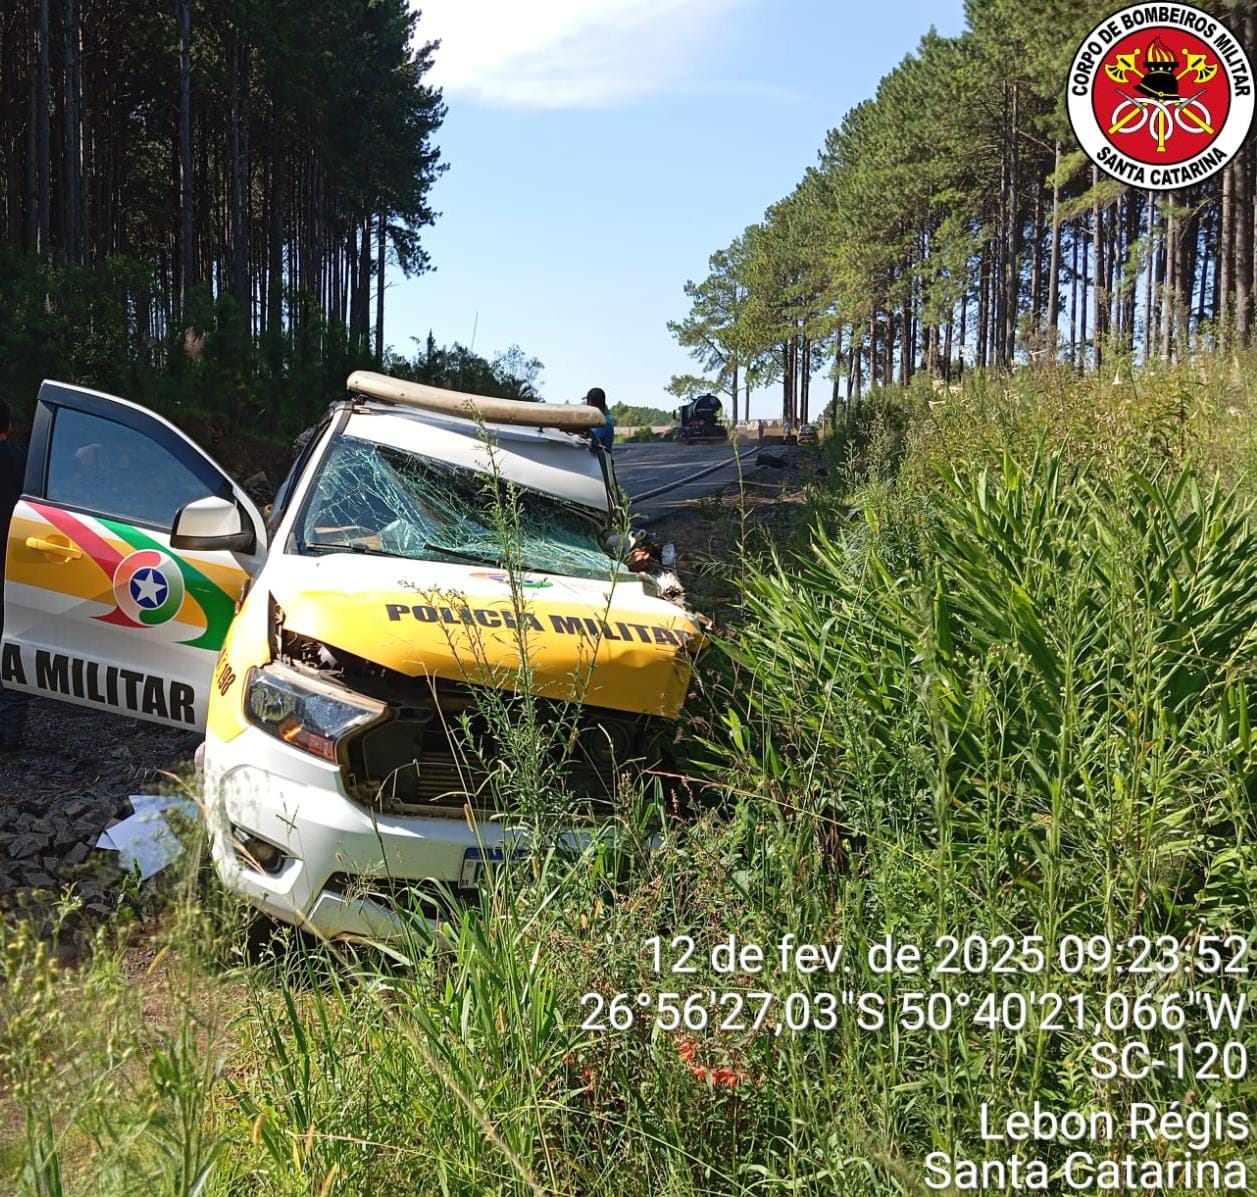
1007, 690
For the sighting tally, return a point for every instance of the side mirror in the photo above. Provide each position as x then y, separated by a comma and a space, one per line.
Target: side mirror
212, 524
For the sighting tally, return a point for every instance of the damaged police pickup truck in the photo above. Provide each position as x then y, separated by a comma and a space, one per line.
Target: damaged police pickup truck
427, 547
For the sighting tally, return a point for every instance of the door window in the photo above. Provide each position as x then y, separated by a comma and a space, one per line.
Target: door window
102, 466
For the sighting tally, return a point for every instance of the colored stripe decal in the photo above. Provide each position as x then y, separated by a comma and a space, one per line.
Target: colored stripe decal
98, 549
218, 605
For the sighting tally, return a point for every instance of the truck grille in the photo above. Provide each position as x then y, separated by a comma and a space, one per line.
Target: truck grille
412, 765
437, 752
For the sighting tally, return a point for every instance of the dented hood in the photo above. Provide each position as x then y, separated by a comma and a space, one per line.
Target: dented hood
586, 641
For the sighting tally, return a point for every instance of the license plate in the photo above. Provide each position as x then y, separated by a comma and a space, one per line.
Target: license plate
478, 861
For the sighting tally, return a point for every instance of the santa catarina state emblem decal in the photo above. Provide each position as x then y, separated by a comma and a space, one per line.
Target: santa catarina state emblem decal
1161, 95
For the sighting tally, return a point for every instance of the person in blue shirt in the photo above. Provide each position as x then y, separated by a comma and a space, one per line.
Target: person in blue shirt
605, 435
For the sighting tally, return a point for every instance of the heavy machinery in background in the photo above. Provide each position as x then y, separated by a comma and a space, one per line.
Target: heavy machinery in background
699, 420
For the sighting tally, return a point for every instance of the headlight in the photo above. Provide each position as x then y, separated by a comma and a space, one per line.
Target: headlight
304, 713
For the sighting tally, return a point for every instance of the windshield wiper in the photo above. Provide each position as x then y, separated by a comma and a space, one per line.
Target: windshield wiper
476, 558
323, 546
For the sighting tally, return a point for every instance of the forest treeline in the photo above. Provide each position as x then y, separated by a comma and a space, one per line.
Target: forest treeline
198, 200
952, 221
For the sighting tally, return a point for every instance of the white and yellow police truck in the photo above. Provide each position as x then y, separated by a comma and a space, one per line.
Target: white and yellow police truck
427, 548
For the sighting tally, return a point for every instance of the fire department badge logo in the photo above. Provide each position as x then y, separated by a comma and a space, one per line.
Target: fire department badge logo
1161, 95
148, 587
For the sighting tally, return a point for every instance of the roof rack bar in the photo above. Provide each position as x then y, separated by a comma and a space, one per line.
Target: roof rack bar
570, 418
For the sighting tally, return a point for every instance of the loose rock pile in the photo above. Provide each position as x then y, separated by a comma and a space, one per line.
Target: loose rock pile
60, 792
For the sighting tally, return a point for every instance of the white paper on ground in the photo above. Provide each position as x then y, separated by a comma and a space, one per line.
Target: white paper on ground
145, 838
141, 803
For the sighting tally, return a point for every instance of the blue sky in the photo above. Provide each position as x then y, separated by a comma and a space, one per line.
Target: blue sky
599, 150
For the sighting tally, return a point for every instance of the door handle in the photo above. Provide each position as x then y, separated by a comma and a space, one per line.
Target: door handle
67, 550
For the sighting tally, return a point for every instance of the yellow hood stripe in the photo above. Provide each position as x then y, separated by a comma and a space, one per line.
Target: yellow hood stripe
606, 657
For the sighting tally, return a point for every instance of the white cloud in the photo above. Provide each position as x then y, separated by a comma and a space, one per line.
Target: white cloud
573, 53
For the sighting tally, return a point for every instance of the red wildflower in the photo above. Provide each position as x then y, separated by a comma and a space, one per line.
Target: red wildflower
719, 1078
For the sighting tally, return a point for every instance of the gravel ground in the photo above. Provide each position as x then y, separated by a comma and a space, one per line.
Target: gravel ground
63, 788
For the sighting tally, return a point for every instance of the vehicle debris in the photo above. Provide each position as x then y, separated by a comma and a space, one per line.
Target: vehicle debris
144, 840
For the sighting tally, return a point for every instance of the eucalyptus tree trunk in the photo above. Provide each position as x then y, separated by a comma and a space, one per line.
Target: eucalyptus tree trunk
907, 346
1243, 245
364, 286
1219, 262
1246, 217
187, 256
1012, 267
797, 369
980, 336
70, 202
32, 171
838, 365
1131, 270
1158, 291
786, 381
1207, 226
275, 268
857, 364
1073, 294
238, 169
964, 329
1150, 254
1169, 299
1113, 272
1085, 279
1185, 270
379, 297
42, 133
805, 379
11, 163
1036, 267
1101, 298
1226, 256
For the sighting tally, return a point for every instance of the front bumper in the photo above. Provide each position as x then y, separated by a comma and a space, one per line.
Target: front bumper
295, 802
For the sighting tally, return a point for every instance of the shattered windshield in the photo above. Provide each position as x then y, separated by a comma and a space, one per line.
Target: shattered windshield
374, 498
